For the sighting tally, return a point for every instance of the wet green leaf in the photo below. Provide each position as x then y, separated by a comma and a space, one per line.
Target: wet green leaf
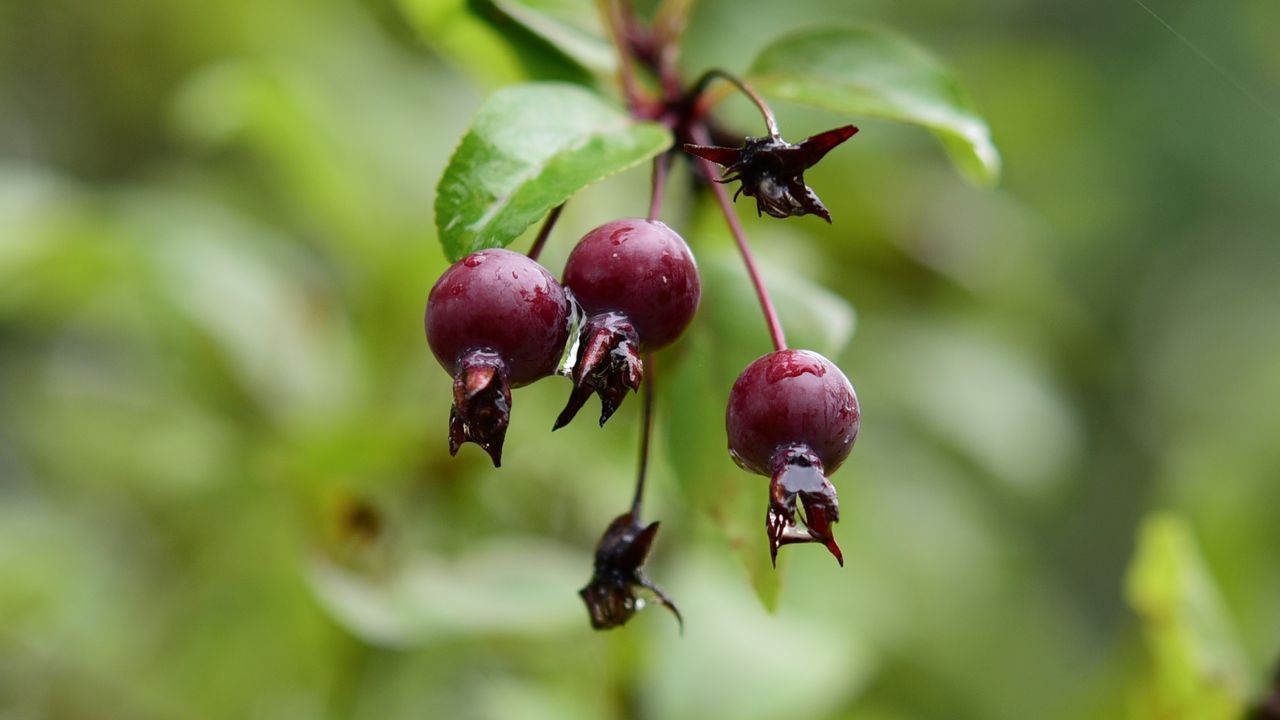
530, 148
459, 34
572, 26
866, 71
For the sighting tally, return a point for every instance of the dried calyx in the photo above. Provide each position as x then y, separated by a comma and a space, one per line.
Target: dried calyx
772, 170
608, 364
798, 476
481, 404
611, 595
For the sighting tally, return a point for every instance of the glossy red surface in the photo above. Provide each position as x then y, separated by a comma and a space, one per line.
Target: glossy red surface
641, 268
503, 301
791, 397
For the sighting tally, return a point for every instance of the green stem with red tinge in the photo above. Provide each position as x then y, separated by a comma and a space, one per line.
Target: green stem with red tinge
702, 137
545, 232
660, 165
699, 133
618, 18
699, 87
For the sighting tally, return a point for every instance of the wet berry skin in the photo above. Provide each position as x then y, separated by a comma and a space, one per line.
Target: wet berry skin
791, 397
793, 417
642, 269
495, 320
502, 301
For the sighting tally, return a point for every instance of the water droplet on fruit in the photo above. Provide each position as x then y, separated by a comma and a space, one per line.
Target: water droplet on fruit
794, 366
473, 260
569, 358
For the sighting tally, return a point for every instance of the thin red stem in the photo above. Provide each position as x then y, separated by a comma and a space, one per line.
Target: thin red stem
668, 30
646, 435
545, 232
767, 112
668, 71
618, 24
660, 164
700, 134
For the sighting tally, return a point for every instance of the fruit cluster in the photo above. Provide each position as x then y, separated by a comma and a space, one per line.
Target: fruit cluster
497, 319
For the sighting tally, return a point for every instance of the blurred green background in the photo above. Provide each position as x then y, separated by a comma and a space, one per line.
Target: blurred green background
225, 490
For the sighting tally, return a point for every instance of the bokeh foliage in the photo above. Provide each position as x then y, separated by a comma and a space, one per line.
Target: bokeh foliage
224, 484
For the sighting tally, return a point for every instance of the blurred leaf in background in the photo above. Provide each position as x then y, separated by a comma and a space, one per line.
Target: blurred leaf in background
1198, 668
225, 489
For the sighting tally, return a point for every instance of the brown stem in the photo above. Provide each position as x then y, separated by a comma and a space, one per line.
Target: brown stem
701, 85
617, 23
660, 164
668, 70
703, 137
544, 232
646, 433
668, 29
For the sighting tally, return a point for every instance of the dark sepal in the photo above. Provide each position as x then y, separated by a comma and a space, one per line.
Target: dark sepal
611, 595
608, 364
481, 404
772, 170
797, 475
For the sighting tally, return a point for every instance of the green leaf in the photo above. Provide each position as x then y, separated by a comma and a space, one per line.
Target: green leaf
458, 34
1198, 669
487, 45
530, 148
728, 333
572, 26
871, 72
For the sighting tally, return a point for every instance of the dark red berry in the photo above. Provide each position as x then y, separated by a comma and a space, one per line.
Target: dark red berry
495, 320
638, 284
793, 416
642, 269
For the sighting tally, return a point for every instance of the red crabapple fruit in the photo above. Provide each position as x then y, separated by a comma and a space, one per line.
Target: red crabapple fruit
793, 416
495, 320
638, 284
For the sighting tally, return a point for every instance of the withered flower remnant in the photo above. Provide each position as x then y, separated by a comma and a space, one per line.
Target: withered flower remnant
609, 365
481, 408
772, 170
611, 595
